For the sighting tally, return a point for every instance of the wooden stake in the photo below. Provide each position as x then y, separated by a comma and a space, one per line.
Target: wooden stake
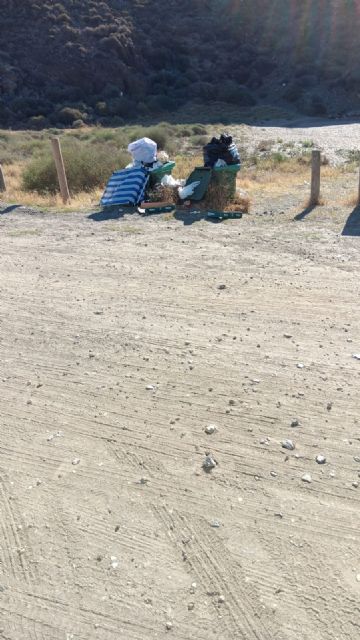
2, 180
60, 168
315, 178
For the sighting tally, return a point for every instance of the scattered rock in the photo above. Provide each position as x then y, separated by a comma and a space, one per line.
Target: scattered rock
288, 444
355, 484
222, 287
306, 478
150, 387
191, 606
295, 423
300, 365
169, 626
209, 464
320, 459
356, 356
273, 474
215, 524
210, 429
279, 515
76, 461
193, 587
329, 406
357, 458
287, 335
114, 562
221, 599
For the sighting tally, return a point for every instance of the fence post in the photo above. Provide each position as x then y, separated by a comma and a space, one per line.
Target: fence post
60, 168
315, 178
2, 180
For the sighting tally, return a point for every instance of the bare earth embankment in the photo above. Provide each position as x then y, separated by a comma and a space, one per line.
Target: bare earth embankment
118, 349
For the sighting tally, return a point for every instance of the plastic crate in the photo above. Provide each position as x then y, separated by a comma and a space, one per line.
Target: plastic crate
225, 177
157, 175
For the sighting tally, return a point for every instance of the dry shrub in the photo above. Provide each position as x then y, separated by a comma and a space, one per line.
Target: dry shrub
88, 167
186, 164
163, 194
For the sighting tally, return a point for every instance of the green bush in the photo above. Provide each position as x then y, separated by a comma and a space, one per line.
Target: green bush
199, 130
159, 135
67, 115
87, 167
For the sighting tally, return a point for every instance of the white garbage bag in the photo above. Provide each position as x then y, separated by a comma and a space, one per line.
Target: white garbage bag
186, 192
169, 181
143, 150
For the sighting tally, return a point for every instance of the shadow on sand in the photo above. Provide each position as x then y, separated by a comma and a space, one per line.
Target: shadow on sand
190, 217
352, 225
305, 212
9, 209
110, 213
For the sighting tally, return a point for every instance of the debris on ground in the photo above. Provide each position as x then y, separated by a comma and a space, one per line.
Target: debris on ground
288, 444
210, 429
209, 463
306, 478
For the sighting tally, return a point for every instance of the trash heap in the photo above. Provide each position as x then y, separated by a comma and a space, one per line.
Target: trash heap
147, 181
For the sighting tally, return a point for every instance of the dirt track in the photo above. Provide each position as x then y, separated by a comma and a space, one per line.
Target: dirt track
106, 514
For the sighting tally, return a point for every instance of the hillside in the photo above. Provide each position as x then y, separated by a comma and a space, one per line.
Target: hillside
121, 60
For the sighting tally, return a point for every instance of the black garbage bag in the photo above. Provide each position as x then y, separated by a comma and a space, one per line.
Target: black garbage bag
222, 148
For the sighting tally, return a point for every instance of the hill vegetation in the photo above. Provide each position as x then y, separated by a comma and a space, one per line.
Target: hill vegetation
73, 61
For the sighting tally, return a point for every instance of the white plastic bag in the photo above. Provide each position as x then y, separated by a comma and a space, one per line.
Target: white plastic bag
186, 192
143, 150
169, 181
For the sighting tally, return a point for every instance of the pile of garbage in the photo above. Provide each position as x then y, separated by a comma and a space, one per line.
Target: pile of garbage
148, 177
144, 153
221, 152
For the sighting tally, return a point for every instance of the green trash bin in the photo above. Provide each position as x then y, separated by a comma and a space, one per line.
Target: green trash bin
157, 175
225, 178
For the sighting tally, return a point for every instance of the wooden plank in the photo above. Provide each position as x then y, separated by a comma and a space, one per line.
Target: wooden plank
315, 178
60, 169
2, 180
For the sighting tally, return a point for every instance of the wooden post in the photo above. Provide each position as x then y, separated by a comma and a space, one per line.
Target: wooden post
2, 180
315, 178
60, 168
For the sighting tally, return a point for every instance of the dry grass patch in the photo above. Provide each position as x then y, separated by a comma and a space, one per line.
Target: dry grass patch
15, 193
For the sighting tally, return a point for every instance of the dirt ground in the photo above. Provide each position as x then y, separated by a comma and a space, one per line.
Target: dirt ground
334, 138
119, 346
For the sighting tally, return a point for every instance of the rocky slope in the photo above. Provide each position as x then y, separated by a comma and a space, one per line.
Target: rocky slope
119, 59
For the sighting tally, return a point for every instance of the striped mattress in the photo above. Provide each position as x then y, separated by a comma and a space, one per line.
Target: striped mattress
125, 187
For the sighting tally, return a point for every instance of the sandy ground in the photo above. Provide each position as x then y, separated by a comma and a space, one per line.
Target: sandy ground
118, 349
334, 138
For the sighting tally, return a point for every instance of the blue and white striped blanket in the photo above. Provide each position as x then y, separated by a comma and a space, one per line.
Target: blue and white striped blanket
126, 187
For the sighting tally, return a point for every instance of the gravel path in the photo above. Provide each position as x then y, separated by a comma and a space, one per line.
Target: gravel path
122, 340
